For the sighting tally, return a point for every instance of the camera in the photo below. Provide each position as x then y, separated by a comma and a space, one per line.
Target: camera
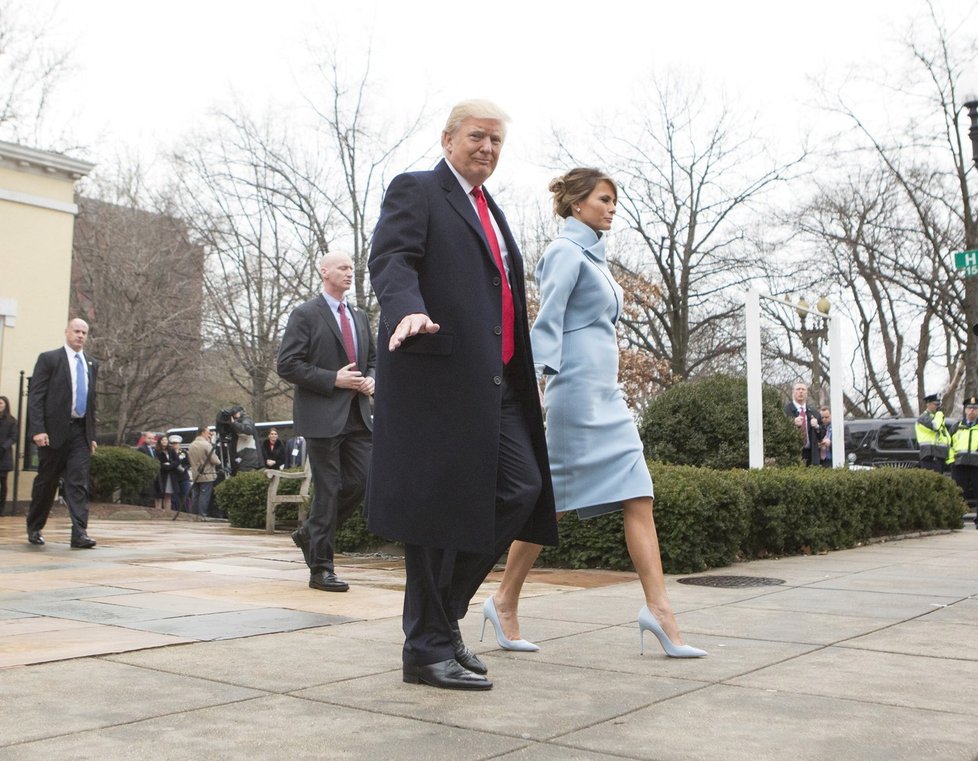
225, 419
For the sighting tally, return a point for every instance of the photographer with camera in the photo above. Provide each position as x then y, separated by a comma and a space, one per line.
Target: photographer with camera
238, 432
204, 464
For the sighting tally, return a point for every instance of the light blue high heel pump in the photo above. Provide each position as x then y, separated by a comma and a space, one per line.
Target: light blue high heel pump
489, 614
648, 622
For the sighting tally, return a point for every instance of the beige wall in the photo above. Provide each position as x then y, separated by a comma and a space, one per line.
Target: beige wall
37, 213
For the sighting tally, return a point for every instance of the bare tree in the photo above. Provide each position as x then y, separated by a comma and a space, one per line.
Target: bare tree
360, 145
885, 231
136, 278
32, 67
259, 264
691, 184
267, 200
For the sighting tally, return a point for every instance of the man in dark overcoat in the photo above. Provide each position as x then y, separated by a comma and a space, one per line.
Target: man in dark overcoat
459, 464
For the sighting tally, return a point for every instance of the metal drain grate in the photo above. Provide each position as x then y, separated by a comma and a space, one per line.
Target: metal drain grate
731, 581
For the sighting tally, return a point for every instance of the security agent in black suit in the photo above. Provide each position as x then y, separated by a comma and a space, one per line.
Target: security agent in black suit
328, 354
61, 409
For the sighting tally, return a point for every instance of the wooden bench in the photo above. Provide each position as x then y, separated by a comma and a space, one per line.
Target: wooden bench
274, 498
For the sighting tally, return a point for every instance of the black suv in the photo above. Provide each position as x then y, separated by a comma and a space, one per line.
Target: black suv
883, 443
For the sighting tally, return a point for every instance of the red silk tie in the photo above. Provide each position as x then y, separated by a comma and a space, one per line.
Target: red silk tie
508, 315
347, 330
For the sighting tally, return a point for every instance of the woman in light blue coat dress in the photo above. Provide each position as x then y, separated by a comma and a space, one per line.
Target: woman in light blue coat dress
596, 456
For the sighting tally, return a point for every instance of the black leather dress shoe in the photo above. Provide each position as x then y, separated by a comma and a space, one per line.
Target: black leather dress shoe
34, 537
449, 675
301, 538
466, 658
328, 582
83, 542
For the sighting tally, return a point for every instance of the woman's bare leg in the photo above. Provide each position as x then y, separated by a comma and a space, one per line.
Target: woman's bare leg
643, 548
519, 561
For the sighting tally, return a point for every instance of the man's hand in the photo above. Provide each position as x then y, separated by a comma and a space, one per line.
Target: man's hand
367, 386
41, 439
349, 377
412, 325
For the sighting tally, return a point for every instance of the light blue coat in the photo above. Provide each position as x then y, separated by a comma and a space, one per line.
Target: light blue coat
596, 455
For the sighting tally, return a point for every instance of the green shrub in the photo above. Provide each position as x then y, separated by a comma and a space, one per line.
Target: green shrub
701, 519
704, 423
243, 497
122, 469
709, 518
353, 535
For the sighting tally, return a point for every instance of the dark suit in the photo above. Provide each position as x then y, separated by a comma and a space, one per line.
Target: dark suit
460, 464
49, 404
810, 453
336, 422
295, 452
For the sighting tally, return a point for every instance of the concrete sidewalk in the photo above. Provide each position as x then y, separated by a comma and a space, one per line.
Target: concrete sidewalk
198, 641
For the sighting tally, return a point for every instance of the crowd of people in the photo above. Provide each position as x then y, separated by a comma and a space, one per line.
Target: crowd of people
436, 422
188, 472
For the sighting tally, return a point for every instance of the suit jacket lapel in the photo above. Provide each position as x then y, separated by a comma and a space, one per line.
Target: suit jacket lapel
461, 203
329, 319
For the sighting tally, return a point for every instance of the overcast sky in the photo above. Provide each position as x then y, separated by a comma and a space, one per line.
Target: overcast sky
149, 71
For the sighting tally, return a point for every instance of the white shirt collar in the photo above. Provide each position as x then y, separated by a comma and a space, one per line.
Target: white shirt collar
466, 185
72, 353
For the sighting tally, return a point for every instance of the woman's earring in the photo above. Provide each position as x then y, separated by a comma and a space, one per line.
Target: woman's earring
578, 209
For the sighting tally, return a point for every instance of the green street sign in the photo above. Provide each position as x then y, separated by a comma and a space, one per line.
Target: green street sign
967, 261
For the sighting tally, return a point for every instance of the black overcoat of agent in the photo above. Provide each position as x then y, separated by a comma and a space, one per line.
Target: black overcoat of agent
437, 402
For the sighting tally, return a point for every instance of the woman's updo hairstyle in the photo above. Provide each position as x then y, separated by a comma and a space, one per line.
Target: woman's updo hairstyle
575, 186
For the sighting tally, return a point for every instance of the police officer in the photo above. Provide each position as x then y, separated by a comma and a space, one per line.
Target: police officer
932, 436
964, 451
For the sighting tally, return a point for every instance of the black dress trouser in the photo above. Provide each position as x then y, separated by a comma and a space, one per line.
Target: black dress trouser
339, 477
440, 583
69, 462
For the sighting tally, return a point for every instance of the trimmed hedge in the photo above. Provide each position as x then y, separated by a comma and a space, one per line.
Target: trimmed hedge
243, 498
122, 469
709, 518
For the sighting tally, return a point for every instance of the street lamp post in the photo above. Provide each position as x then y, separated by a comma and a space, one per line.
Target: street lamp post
812, 339
972, 106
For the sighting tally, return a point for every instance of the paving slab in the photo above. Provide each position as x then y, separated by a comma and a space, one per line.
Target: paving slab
276, 662
927, 682
194, 640
540, 700
235, 623
863, 604
728, 723
69, 640
275, 727
56, 699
